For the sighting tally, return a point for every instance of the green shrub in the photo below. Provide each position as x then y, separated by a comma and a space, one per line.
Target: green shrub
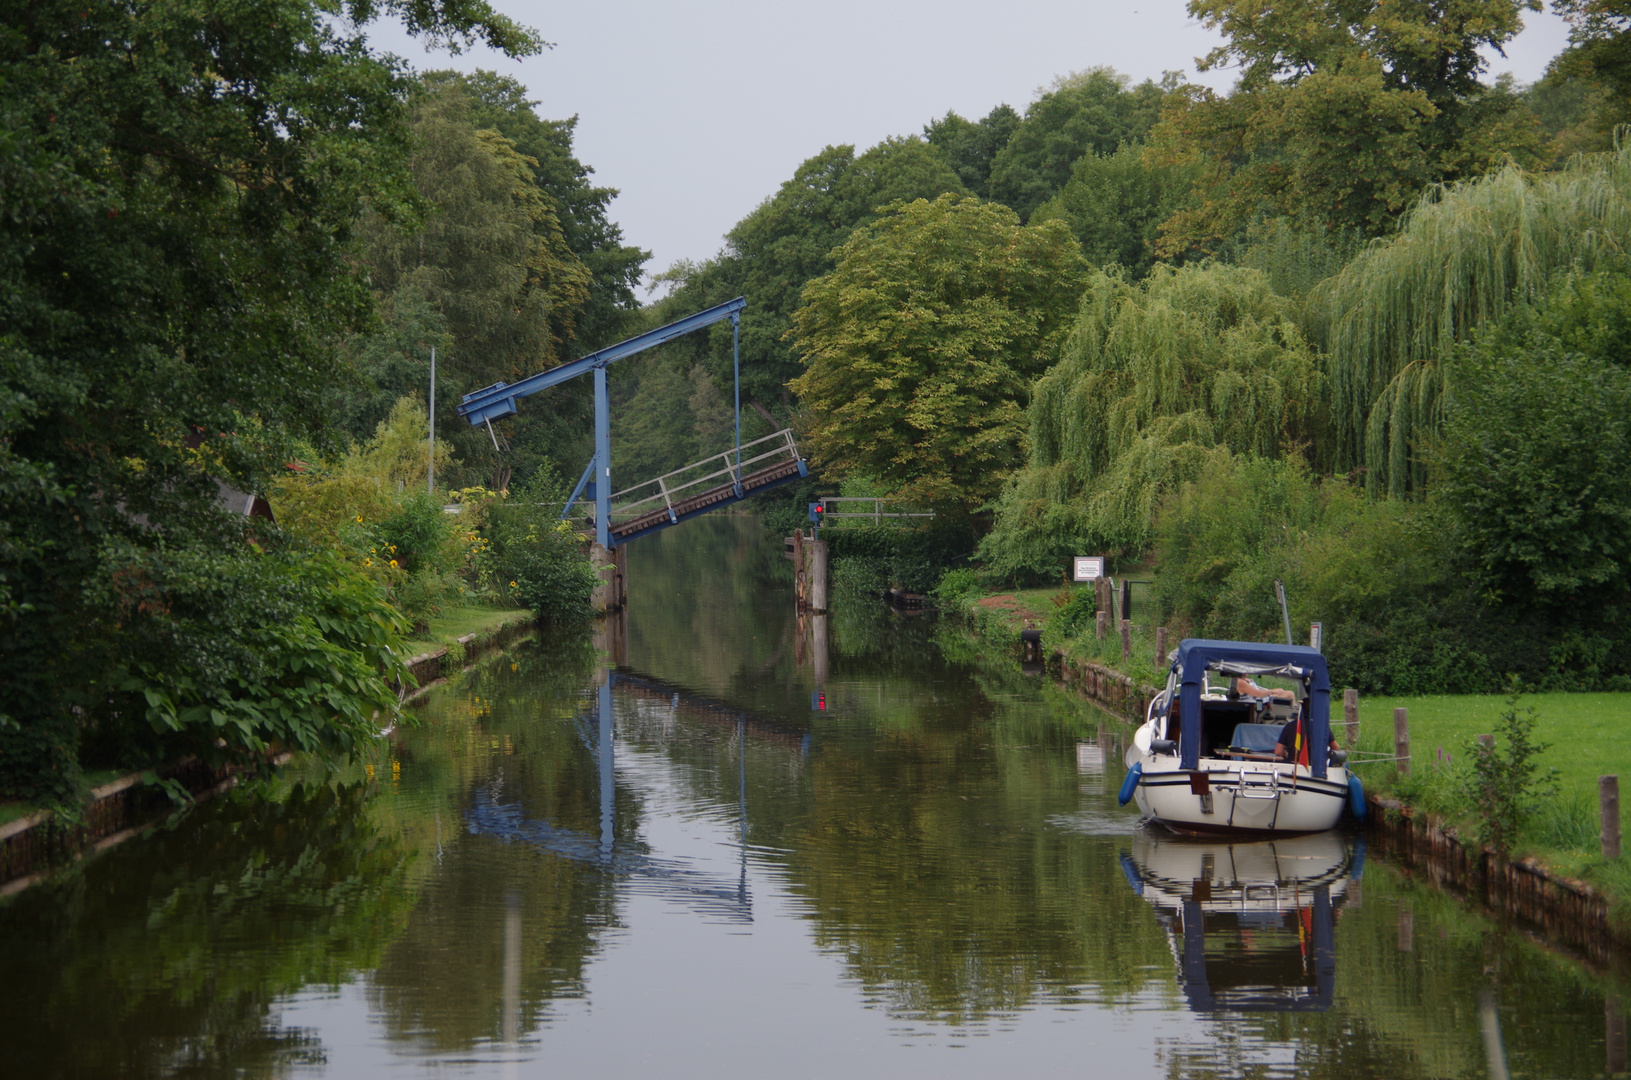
540, 561
1505, 783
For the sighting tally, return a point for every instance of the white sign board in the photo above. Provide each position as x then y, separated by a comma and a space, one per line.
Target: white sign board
1089, 567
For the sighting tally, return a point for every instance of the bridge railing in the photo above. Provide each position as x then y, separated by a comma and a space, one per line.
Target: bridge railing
665, 491
841, 510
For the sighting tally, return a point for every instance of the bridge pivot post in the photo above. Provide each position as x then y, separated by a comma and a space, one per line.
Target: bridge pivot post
603, 462
736, 378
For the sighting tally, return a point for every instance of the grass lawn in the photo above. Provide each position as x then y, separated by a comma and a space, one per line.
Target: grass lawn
1584, 733
456, 621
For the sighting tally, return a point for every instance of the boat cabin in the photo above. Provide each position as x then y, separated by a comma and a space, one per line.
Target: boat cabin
1206, 715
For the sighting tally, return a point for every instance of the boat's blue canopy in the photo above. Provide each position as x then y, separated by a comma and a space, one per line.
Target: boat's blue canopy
1196, 656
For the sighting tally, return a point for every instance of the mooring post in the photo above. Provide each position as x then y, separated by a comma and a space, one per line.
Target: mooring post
800, 572
1608, 798
1401, 741
1126, 640
816, 552
1101, 624
1160, 647
1350, 716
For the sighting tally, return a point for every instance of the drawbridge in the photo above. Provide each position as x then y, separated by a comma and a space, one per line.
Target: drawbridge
710, 484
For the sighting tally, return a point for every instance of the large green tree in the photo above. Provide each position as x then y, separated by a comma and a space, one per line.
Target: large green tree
787, 241
971, 147
178, 185
1343, 112
1091, 111
490, 260
1115, 204
921, 344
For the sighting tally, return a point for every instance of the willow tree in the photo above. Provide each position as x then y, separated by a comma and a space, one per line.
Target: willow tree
1156, 377
1465, 254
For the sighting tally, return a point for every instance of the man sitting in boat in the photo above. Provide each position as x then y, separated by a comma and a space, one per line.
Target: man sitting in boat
1295, 741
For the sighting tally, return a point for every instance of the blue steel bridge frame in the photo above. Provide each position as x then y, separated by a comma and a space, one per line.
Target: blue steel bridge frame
499, 400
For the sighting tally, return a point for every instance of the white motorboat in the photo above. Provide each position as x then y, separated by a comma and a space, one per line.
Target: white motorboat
1205, 759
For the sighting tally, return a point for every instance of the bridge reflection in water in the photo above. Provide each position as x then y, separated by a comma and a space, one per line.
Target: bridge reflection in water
1251, 923
674, 879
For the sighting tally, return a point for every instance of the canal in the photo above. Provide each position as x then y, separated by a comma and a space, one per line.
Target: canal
914, 869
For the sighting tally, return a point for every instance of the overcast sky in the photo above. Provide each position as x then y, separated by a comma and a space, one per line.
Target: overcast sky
697, 110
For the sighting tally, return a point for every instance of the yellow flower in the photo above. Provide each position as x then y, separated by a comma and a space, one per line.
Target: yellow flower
512, 585
373, 551
393, 562
359, 519
368, 562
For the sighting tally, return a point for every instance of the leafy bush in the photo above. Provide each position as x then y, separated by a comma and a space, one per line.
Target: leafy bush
271, 644
955, 587
540, 560
1077, 614
1380, 574
1505, 783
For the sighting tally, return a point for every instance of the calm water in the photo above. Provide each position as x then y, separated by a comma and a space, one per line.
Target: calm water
685, 865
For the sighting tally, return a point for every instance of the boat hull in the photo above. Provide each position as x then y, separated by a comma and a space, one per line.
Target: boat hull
1229, 797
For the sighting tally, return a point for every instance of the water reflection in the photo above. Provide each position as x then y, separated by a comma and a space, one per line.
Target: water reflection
1252, 924
660, 858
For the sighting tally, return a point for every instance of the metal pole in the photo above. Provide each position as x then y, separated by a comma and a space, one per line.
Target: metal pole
736, 377
603, 462
1280, 591
430, 468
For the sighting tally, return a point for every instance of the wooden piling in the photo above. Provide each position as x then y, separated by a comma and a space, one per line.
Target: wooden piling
1401, 741
816, 552
1608, 798
1126, 640
1160, 647
1350, 716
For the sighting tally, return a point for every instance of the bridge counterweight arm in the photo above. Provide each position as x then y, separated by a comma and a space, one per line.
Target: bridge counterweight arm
499, 400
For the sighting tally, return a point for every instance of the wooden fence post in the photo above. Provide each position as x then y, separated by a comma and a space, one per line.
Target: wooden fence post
1101, 623
1160, 647
1126, 640
1608, 797
1350, 716
1401, 741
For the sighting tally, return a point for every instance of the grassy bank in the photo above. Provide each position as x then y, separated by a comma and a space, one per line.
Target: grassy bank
456, 621
1582, 735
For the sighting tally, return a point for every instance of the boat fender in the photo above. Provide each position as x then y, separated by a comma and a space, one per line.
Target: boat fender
1356, 797
1129, 785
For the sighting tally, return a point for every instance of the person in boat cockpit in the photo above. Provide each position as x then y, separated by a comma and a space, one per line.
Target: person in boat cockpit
1283, 747
1246, 688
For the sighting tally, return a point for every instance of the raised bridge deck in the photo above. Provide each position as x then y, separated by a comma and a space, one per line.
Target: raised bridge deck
705, 485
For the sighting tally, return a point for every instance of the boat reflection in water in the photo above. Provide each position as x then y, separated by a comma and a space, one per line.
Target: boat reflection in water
1251, 923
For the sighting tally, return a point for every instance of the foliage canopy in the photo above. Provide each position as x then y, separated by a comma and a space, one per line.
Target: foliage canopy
920, 343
